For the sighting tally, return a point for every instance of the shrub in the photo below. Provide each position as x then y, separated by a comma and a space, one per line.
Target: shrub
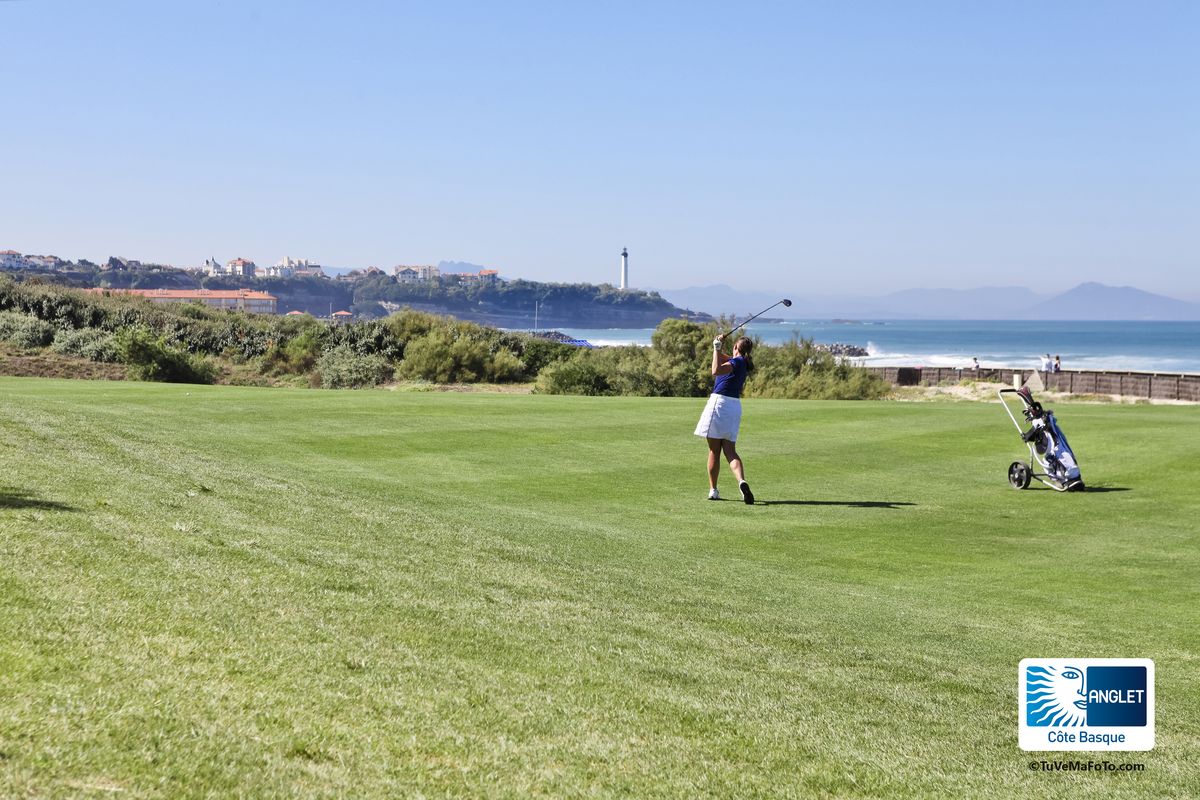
25, 331
460, 352
537, 353
408, 324
89, 343
504, 367
297, 355
798, 370
576, 375
151, 358
343, 368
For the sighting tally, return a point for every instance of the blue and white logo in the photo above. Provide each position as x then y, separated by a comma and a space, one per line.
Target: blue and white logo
1086, 704
1056, 696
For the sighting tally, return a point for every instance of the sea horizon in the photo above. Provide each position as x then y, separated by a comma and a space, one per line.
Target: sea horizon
1151, 346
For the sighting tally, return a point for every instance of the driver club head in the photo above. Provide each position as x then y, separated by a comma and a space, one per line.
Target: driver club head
787, 303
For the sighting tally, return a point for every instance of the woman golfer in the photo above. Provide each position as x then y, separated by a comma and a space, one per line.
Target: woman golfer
723, 413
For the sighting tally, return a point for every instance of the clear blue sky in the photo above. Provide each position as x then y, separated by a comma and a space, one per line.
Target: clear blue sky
838, 147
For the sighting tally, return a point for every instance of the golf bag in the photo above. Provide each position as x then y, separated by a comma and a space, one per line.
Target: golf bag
1048, 447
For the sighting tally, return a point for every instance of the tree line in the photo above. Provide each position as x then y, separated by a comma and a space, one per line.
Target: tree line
191, 343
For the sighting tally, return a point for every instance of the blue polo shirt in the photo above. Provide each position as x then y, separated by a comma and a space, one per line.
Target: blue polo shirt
731, 383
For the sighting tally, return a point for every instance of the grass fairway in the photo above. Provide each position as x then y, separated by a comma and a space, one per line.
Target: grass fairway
213, 591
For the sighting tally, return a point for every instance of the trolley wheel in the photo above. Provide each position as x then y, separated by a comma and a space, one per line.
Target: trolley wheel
1018, 475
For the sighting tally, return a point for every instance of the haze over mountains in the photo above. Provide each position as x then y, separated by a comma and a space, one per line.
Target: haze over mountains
1087, 301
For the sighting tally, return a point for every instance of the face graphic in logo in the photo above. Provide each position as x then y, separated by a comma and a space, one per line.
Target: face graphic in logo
1055, 696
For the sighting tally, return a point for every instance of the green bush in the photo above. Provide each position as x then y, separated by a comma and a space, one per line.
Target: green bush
576, 375
505, 367
151, 358
408, 324
460, 352
537, 353
298, 354
444, 356
680, 361
25, 331
89, 343
798, 370
342, 367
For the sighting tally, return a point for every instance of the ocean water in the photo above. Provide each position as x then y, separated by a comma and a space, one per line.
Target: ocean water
1144, 346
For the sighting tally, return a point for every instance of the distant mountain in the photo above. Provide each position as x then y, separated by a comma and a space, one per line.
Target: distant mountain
988, 302
1086, 301
722, 299
1097, 301
1004, 302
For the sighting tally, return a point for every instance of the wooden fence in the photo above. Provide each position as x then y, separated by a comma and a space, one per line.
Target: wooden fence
1156, 385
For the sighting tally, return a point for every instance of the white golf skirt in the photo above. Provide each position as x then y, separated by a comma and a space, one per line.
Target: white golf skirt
721, 418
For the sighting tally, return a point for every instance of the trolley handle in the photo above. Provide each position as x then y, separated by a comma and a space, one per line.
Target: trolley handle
1000, 394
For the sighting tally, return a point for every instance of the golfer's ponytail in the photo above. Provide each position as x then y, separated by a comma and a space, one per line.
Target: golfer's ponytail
745, 346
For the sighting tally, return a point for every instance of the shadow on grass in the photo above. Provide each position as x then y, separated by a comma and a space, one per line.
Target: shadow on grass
1041, 487
11, 497
846, 503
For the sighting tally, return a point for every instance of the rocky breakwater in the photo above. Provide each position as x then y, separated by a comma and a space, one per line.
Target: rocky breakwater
843, 350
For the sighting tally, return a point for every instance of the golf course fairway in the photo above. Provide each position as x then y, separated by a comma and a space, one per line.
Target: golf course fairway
217, 592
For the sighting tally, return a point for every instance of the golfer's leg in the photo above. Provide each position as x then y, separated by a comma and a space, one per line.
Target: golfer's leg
735, 461
714, 462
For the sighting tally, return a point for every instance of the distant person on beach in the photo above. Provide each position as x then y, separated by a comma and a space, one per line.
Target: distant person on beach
1046, 366
975, 364
723, 414
1057, 364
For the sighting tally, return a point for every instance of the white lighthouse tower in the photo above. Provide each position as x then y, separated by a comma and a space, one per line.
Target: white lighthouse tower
624, 268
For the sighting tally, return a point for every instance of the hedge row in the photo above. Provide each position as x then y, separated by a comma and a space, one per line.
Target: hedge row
189, 342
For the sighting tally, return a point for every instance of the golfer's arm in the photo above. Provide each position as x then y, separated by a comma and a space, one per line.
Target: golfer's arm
720, 365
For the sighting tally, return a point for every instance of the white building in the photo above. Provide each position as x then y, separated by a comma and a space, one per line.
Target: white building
11, 259
241, 267
289, 267
414, 273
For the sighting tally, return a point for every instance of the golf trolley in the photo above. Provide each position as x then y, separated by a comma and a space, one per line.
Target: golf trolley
1048, 447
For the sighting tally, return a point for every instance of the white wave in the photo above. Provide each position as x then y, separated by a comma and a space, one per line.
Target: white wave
616, 342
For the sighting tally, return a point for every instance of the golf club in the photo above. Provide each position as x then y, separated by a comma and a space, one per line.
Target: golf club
745, 322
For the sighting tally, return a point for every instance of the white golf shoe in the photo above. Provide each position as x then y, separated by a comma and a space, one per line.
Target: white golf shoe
713, 494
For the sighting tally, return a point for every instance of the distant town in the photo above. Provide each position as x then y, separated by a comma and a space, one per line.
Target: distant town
299, 286
241, 299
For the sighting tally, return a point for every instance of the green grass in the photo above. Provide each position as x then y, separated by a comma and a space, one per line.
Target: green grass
215, 591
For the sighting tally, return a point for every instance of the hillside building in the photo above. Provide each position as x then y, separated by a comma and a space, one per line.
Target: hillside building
483, 276
290, 267
405, 273
241, 267
228, 299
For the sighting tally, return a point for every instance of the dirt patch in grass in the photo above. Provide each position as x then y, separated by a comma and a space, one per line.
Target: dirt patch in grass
425, 386
48, 364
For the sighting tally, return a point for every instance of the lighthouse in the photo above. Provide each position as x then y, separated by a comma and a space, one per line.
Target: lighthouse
624, 268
